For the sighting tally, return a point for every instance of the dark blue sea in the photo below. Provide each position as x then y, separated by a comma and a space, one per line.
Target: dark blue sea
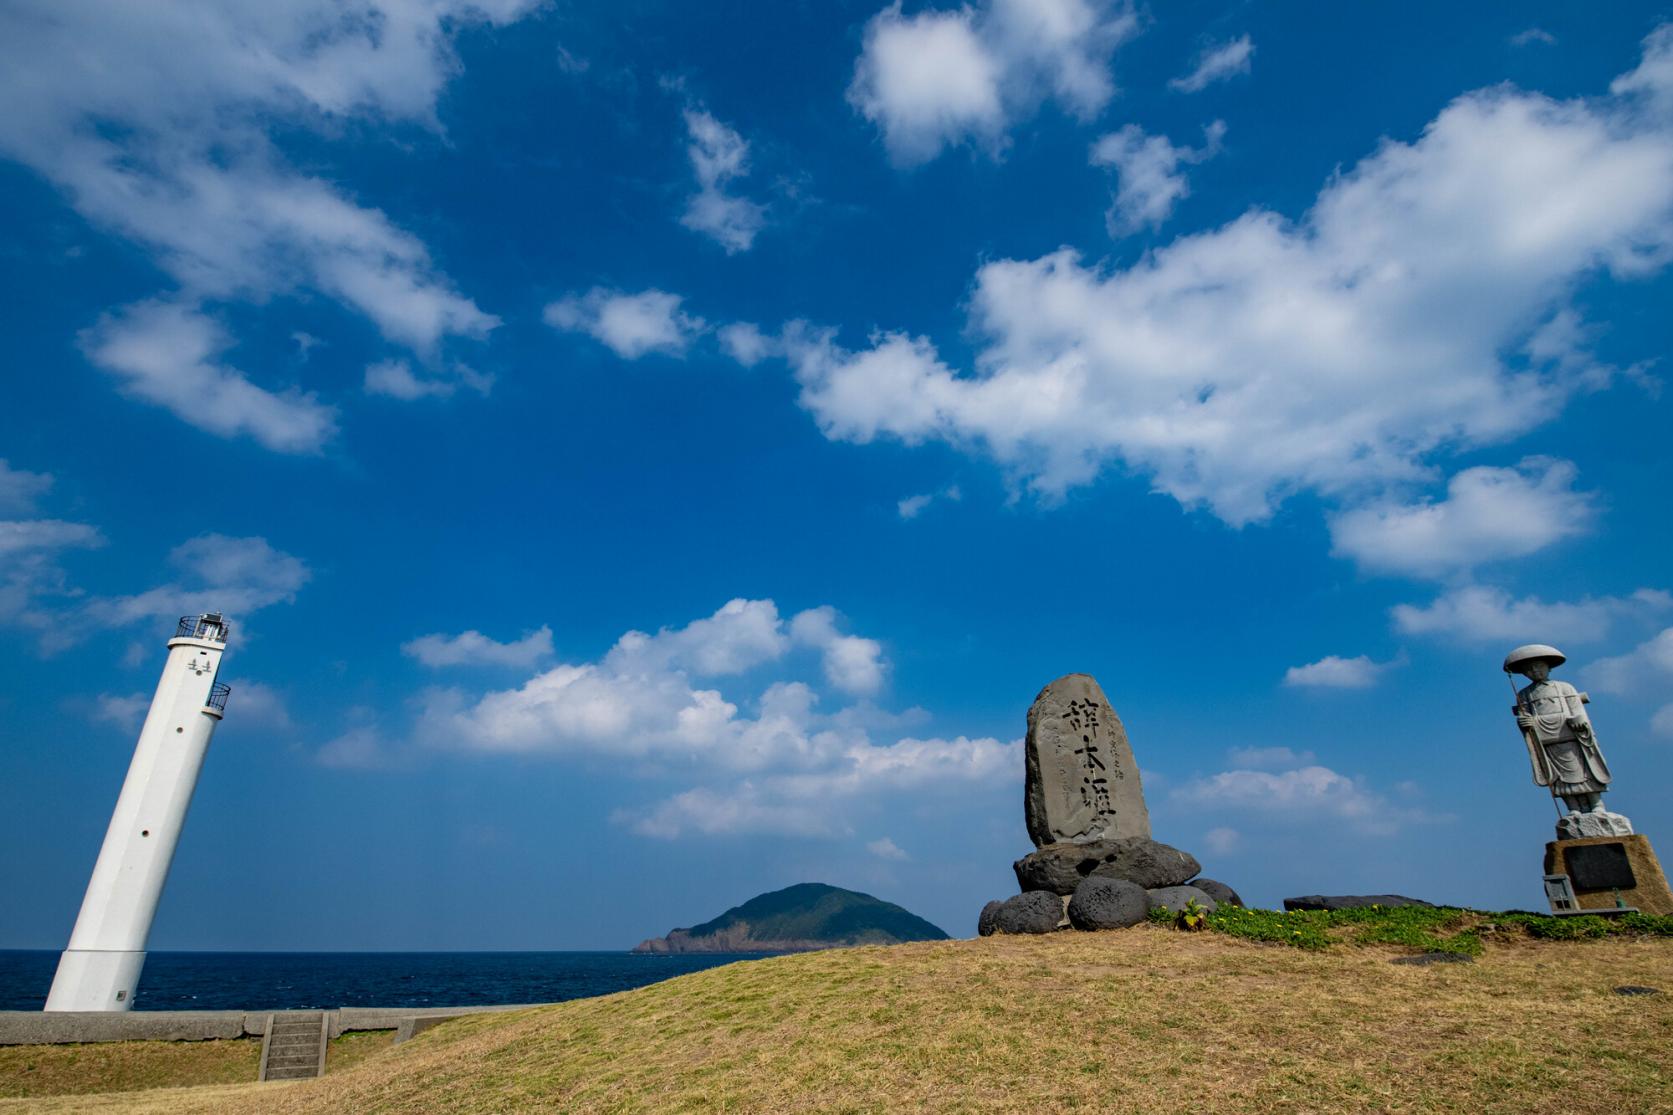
326, 980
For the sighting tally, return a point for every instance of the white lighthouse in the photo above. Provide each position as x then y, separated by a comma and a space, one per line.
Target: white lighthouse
107, 948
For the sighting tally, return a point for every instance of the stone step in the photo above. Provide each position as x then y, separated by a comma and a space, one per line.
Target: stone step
294, 1046
308, 1063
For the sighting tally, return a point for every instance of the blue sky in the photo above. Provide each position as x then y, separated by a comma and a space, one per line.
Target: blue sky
654, 454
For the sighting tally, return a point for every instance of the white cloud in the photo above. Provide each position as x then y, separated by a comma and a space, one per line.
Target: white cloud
1476, 613
33, 584
1149, 182
124, 712
1399, 318
913, 506
1647, 666
361, 748
630, 325
154, 119
30, 536
820, 802
741, 635
1266, 758
885, 848
774, 762
1222, 841
852, 664
235, 576
19, 490
1652, 80
1217, 63
395, 379
716, 813
166, 353
1662, 722
214, 573
718, 156
1333, 672
1305, 795
1488, 514
1533, 35
745, 343
473, 648
254, 704
941, 78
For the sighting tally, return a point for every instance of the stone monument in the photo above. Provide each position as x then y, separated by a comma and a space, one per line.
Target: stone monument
1081, 782
1597, 863
1094, 865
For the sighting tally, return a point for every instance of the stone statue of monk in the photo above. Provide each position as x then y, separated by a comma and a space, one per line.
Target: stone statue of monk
1561, 743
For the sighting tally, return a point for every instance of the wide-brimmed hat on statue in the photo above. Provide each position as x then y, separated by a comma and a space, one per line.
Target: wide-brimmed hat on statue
1533, 652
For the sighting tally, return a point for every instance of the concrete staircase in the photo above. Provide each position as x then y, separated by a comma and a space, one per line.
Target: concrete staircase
294, 1045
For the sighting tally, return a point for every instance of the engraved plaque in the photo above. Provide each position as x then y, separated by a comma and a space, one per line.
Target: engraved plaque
1599, 867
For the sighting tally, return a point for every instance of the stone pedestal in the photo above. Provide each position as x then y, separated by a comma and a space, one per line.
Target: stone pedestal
1578, 826
1599, 866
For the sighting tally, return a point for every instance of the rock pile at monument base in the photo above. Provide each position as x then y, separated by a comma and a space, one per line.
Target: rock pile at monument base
1094, 865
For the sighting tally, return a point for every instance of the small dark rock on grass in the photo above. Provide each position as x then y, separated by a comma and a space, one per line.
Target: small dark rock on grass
1175, 898
1350, 901
1424, 959
1635, 989
1035, 911
1215, 889
985, 922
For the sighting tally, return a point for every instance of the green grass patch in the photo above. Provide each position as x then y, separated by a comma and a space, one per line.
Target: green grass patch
1422, 928
1581, 927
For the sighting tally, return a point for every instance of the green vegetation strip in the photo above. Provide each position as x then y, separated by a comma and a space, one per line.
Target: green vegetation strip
1424, 928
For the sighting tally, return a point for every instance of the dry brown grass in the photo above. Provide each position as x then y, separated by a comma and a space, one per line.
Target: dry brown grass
129, 1066
124, 1066
1143, 1020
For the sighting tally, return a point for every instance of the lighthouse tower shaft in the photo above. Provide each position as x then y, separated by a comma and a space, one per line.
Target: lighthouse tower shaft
107, 948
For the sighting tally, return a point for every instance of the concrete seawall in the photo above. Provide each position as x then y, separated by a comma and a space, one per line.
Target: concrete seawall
33, 1027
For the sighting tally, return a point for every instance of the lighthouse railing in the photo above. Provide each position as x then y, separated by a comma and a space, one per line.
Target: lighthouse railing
218, 694
203, 627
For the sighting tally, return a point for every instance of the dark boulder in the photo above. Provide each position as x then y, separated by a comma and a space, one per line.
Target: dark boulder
1220, 892
1037, 911
1350, 901
1175, 898
985, 921
1060, 867
1104, 903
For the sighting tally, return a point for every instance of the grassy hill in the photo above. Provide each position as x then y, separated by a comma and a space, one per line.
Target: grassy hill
1145, 1020
804, 916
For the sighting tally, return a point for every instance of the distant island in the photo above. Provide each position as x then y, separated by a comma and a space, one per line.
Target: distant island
797, 919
